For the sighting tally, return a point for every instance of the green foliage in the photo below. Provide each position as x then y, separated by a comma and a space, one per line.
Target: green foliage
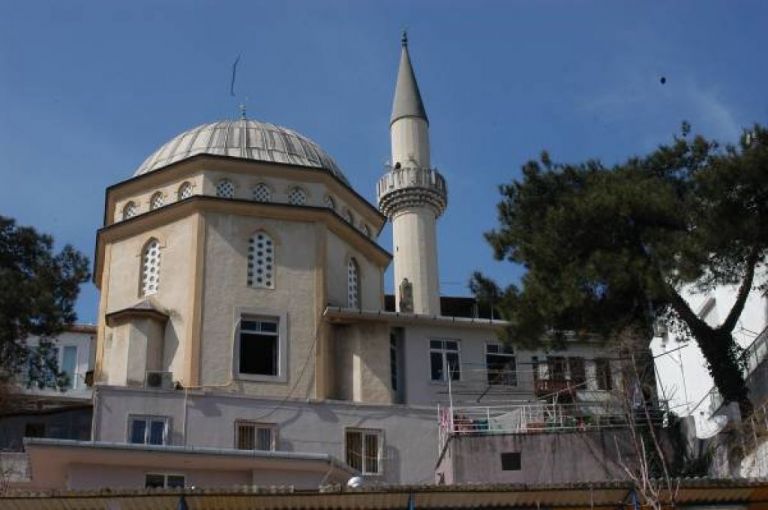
609, 248
38, 289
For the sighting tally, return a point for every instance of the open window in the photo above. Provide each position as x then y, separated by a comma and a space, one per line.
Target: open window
259, 340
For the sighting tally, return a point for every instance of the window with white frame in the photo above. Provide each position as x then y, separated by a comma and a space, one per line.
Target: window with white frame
156, 201
363, 450
185, 191
130, 210
329, 202
259, 346
444, 359
164, 481
261, 261
68, 365
353, 284
500, 365
261, 193
297, 196
150, 267
251, 435
148, 429
225, 189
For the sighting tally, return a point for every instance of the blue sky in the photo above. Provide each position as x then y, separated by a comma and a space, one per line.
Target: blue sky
89, 89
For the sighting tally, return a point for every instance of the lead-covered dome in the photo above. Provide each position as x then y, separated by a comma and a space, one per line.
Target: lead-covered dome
247, 139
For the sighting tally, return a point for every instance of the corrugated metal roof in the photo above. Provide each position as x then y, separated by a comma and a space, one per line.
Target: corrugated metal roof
247, 139
752, 493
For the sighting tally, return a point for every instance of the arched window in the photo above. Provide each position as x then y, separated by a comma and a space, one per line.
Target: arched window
297, 196
262, 193
330, 203
353, 284
185, 191
349, 216
261, 261
150, 267
156, 201
129, 210
225, 189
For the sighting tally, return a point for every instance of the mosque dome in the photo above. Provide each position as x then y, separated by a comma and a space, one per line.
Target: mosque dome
246, 139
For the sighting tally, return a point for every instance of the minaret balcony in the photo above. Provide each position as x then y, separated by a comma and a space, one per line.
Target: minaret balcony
410, 186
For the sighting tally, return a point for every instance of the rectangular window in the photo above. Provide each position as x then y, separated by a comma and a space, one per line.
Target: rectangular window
147, 430
556, 366
255, 436
511, 461
444, 359
577, 372
259, 346
603, 374
393, 360
163, 481
500, 365
363, 450
69, 364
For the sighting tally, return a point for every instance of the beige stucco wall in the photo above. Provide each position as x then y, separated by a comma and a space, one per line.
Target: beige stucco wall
121, 290
362, 362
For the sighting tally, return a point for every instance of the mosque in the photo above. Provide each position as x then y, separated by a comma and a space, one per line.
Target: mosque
244, 336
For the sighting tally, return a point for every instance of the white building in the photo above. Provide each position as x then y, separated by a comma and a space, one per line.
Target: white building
243, 336
683, 377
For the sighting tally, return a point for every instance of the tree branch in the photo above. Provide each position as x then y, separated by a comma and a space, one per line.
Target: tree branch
741, 298
684, 311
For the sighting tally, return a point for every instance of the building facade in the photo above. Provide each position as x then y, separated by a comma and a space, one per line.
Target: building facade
244, 336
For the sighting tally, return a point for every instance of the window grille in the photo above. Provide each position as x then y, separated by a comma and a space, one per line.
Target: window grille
129, 210
259, 346
297, 196
363, 451
147, 429
150, 268
330, 203
444, 358
261, 261
261, 193
156, 201
185, 191
353, 284
255, 436
500, 365
225, 189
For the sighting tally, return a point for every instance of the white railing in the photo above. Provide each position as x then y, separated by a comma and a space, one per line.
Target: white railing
532, 418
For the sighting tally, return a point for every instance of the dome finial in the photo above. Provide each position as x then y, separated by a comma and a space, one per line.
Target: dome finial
404, 38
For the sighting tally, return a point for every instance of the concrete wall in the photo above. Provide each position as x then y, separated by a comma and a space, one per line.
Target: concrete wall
545, 458
409, 434
93, 477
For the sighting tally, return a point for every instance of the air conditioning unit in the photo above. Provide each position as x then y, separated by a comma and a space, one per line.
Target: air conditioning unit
158, 380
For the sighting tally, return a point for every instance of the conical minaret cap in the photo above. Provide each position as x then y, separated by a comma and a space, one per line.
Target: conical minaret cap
407, 101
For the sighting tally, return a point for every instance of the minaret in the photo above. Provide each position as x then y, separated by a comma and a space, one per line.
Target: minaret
412, 195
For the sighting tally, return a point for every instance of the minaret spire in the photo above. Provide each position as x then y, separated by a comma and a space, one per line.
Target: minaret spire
407, 101
412, 195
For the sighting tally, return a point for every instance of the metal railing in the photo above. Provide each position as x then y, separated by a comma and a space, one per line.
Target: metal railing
536, 418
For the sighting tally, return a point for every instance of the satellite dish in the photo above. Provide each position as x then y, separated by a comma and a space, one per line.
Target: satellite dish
355, 481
